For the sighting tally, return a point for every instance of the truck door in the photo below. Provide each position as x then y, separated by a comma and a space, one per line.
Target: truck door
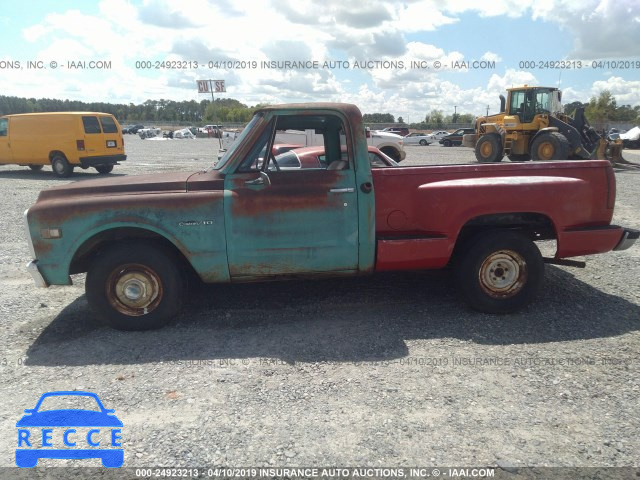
5, 146
287, 221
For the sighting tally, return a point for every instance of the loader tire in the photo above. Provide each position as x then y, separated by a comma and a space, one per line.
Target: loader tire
489, 149
550, 146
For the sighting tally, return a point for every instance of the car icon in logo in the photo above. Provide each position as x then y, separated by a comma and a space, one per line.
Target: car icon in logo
85, 432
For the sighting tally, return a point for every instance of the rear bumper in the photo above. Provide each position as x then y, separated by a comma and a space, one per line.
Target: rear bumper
593, 240
32, 268
102, 160
629, 237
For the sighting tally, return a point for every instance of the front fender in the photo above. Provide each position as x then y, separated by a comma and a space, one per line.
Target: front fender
193, 222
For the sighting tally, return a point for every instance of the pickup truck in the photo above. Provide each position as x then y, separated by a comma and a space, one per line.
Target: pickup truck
246, 219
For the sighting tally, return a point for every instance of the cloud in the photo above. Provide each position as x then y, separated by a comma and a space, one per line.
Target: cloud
372, 14
164, 14
601, 28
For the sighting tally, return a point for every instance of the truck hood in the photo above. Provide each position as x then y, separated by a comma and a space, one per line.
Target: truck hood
125, 185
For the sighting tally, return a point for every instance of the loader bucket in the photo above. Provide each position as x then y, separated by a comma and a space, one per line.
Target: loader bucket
612, 151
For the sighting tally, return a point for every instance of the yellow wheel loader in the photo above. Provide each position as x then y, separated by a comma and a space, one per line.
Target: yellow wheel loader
531, 125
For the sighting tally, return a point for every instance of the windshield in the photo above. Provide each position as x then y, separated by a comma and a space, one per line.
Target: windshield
238, 141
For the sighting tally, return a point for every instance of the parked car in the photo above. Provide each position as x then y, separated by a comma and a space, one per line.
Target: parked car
402, 131
631, 139
389, 143
132, 128
150, 132
455, 138
314, 157
437, 135
418, 139
183, 133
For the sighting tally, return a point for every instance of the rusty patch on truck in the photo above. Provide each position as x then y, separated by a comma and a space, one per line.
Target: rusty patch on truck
289, 191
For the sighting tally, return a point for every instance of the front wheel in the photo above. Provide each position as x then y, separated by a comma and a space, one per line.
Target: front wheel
550, 146
446, 143
423, 142
135, 287
500, 272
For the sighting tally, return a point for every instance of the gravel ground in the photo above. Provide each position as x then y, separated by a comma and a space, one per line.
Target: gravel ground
390, 370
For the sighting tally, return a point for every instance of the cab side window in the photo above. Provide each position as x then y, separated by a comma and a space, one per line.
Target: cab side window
4, 127
326, 132
91, 125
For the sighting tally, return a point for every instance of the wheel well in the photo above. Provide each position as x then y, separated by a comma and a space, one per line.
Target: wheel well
104, 240
534, 225
54, 153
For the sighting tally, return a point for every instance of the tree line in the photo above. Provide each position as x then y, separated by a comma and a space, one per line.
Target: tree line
205, 111
599, 110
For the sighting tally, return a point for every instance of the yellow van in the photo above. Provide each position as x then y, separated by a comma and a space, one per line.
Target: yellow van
63, 140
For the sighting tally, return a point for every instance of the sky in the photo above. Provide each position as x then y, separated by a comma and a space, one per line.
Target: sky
400, 57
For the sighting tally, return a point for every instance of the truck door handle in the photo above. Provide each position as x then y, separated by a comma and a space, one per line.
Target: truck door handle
342, 190
263, 179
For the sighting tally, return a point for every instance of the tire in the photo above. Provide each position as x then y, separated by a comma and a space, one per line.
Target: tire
500, 272
446, 143
135, 286
550, 146
423, 142
519, 157
104, 169
489, 148
36, 168
391, 152
61, 166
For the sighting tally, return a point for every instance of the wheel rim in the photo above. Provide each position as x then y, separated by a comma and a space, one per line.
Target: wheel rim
486, 149
503, 274
546, 151
58, 166
134, 290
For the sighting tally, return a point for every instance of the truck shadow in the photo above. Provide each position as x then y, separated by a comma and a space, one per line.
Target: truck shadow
344, 320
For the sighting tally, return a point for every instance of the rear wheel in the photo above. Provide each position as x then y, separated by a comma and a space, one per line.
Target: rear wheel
135, 287
36, 168
489, 148
103, 169
500, 272
550, 146
61, 166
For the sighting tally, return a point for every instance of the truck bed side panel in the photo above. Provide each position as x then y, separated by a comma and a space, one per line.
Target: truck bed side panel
421, 210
